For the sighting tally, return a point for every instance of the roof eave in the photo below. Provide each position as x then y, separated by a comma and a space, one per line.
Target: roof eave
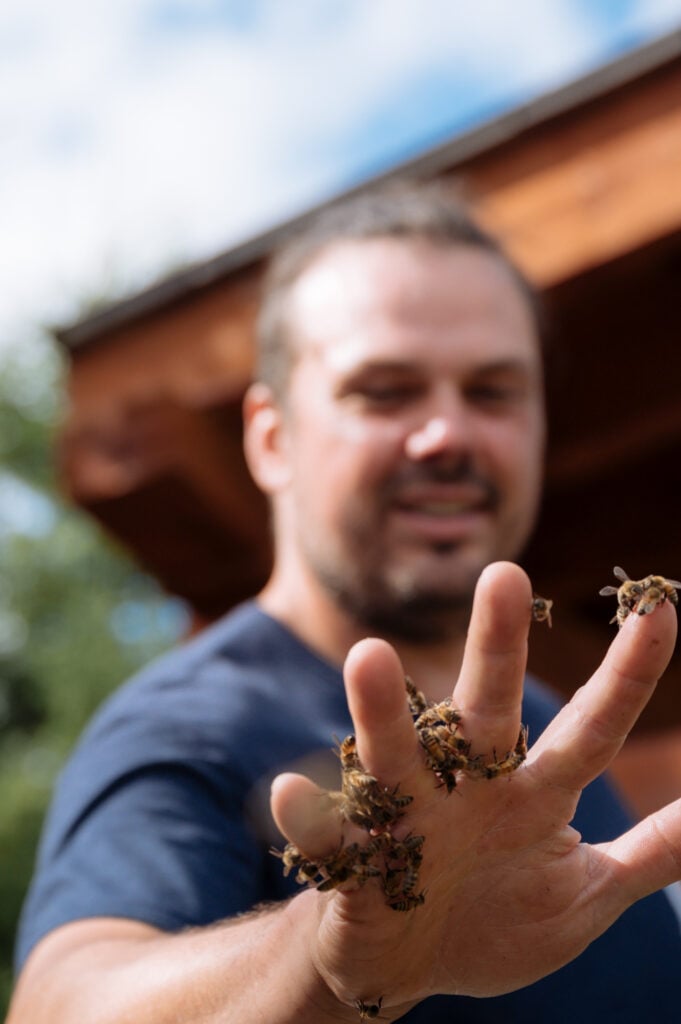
484, 138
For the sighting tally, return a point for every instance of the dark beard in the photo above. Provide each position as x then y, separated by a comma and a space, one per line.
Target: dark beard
419, 617
424, 619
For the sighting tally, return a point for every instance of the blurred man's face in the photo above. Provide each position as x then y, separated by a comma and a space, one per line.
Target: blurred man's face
414, 427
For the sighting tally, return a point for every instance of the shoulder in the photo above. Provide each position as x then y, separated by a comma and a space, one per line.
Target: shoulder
241, 696
203, 689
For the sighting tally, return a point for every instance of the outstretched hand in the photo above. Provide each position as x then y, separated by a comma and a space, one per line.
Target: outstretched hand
511, 893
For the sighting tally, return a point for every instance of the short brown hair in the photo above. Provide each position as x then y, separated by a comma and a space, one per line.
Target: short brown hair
396, 209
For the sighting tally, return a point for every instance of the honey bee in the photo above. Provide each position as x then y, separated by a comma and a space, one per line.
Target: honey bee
292, 858
392, 883
512, 760
446, 753
427, 713
439, 714
541, 609
405, 902
409, 847
363, 800
417, 701
437, 726
640, 596
347, 752
432, 744
402, 862
657, 590
368, 1011
628, 594
410, 877
350, 863
370, 805
351, 871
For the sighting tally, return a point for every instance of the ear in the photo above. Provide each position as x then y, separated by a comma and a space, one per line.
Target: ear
264, 439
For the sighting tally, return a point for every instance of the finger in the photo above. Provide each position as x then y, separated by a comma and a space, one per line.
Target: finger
648, 856
583, 739
386, 738
307, 815
490, 684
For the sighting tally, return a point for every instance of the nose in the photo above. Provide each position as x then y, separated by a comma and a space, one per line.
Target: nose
443, 430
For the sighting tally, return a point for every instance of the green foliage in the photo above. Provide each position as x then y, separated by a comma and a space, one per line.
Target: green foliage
76, 618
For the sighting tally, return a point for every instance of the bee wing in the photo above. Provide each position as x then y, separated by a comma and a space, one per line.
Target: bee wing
675, 584
607, 591
620, 573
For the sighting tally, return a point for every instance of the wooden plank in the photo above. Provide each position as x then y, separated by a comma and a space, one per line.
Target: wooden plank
594, 207
595, 185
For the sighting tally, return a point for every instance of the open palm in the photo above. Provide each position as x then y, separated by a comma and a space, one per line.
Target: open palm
511, 893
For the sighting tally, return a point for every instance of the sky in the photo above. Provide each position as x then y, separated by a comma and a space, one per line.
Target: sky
140, 135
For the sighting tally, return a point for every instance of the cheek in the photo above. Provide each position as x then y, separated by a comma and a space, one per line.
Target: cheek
516, 452
349, 449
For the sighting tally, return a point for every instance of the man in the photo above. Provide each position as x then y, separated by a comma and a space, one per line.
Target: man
397, 427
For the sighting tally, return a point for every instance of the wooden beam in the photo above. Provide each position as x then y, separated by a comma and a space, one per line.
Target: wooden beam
596, 184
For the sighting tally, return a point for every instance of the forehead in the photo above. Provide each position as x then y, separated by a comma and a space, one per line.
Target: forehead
395, 298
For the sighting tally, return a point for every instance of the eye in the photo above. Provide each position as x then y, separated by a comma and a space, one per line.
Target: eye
495, 394
384, 394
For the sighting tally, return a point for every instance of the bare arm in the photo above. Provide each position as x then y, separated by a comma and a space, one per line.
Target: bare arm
117, 971
511, 892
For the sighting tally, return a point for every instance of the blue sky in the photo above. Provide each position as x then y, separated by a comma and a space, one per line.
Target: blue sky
139, 134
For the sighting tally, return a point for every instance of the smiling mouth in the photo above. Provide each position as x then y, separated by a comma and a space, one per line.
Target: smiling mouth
442, 509
443, 518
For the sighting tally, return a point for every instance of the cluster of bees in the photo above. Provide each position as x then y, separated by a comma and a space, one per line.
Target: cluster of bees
448, 753
640, 596
375, 808
362, 800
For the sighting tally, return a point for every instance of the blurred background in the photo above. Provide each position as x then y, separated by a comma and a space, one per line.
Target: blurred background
153, 152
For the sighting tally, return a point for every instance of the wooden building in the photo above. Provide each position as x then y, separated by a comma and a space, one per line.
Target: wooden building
584, 187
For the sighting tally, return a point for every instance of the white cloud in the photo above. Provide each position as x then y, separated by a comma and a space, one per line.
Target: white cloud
653, 16
126, 146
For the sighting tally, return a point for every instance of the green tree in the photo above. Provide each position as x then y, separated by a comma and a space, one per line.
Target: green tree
76, 618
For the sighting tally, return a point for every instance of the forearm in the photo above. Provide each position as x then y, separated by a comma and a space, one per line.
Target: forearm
257, 969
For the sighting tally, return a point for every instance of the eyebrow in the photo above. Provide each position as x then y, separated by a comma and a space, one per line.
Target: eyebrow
500, 366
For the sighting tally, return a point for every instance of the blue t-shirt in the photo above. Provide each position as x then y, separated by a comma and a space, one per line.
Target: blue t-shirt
162, 815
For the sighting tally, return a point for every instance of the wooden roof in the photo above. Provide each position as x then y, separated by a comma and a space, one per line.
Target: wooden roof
574, 189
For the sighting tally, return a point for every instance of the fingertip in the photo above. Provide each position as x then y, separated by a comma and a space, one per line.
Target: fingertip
377, 698
505, 583
374, 679
307, 815
505, 570
373, 655
646, 642
502, 607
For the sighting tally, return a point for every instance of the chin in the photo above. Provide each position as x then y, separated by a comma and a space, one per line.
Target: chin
453, 590
445, 568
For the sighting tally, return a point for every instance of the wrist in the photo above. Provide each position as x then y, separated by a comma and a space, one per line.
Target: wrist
325, 995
